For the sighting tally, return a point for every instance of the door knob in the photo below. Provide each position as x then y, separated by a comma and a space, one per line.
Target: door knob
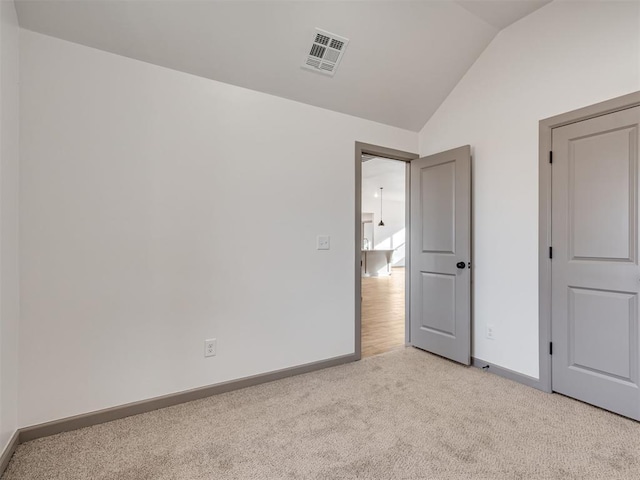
461, 265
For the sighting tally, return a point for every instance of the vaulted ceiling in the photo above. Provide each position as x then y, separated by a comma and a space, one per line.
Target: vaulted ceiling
403, 58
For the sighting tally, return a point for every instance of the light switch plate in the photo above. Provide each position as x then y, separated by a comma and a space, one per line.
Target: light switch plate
323, 242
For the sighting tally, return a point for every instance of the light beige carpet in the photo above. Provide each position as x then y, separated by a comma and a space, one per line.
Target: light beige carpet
402, 415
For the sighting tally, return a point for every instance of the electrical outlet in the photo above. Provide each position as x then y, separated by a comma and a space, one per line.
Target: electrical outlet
491, 332
323, 242
210, 347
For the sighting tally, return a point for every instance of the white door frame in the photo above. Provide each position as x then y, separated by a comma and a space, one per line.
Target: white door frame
544, 242
392, 155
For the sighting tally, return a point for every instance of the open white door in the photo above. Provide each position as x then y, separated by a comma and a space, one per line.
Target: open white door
441, 254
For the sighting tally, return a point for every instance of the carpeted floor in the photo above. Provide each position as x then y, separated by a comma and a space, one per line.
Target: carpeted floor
402, 415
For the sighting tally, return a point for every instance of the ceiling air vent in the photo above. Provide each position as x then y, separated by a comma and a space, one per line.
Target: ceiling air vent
326, 52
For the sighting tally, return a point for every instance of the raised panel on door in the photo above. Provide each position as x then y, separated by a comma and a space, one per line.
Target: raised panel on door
605, 348
438, 313
595, 271
437, 190
440, 299
602, 197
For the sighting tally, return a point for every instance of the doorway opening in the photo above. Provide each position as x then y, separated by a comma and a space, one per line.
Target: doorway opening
437, 246
383, 247
382, 244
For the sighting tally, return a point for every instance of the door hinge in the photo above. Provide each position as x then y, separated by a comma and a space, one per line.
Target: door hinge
550, 252
550, 348
550, 157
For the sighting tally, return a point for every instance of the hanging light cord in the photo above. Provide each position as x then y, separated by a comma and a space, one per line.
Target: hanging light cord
381, 224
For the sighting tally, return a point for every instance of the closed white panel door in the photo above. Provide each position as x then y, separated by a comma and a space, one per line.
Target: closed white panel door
595, 272
440, 254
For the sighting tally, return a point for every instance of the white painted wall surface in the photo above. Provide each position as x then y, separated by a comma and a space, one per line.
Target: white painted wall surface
141, 237
564, 56
9, 283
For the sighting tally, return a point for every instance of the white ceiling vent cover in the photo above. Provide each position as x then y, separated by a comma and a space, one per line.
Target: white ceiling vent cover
325, 52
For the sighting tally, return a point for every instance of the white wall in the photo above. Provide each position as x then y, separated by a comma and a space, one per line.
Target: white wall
140, 235
564, 56
9, 298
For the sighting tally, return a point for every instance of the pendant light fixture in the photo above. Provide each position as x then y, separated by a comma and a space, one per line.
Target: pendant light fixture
381, 224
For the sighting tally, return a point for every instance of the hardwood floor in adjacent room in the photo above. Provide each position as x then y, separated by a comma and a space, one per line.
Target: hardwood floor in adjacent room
382, 313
